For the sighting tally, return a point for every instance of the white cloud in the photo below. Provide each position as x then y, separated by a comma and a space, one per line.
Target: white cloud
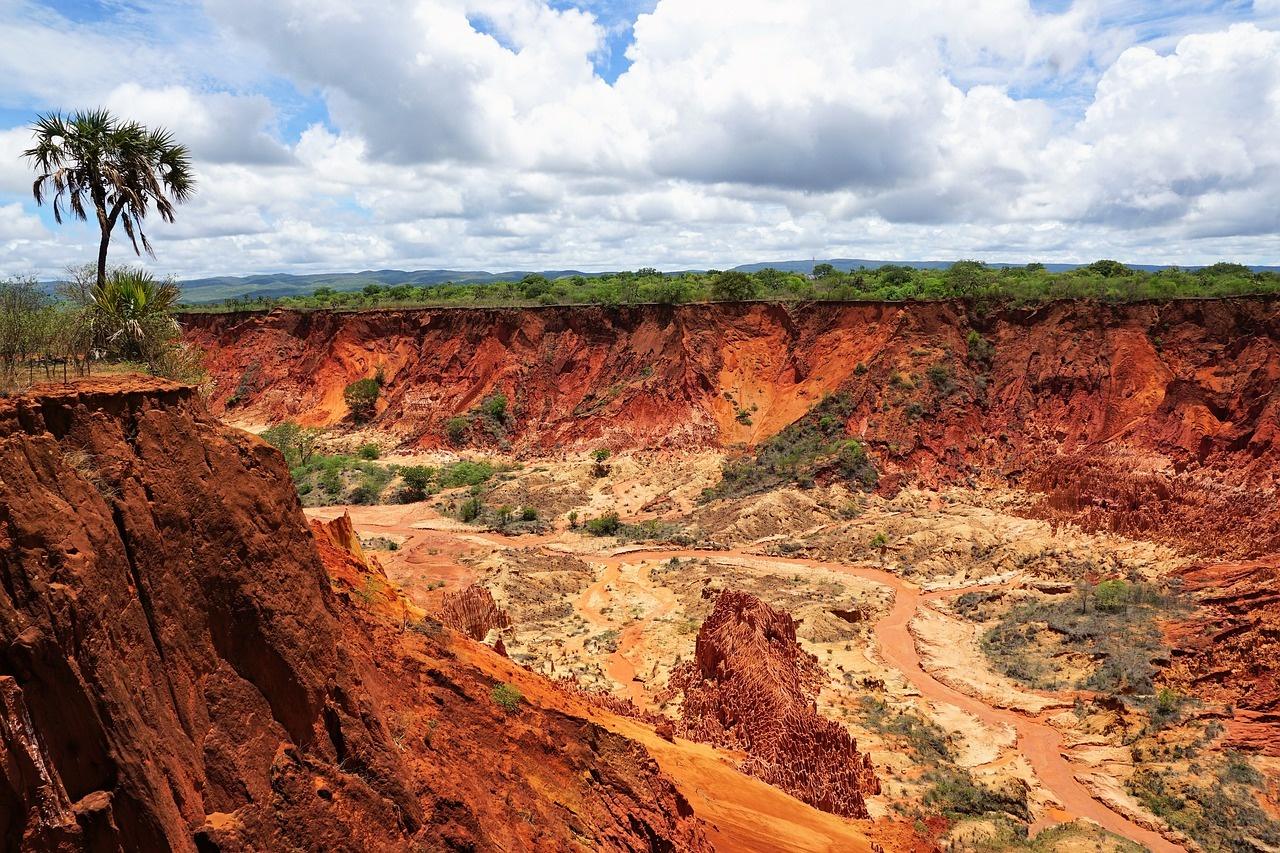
475, 133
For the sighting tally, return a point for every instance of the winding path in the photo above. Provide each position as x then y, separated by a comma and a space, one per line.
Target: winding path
1039, 741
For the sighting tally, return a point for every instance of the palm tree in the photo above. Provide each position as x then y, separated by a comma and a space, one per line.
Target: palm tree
131, 316
119, 169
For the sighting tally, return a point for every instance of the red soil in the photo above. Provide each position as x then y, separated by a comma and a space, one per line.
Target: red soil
1156, 419
752, 688
176, 671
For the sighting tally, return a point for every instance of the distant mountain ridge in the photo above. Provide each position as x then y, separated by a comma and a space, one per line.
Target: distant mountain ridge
270, 285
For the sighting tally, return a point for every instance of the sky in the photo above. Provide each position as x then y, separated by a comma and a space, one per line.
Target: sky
330, 135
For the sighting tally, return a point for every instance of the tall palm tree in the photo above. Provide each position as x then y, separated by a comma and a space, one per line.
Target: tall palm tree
119, 169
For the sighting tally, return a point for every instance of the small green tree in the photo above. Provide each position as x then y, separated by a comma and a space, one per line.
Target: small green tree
880, 542
369, 451
361, 398
600, 458
417, 483
733, 286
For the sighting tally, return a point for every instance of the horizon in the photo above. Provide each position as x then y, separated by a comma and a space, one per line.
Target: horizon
546, 134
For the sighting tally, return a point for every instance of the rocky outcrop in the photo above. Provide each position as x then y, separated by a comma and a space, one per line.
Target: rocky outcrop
473, 612
177, 673
1229, 652
1180, 398
752, 688
357, 573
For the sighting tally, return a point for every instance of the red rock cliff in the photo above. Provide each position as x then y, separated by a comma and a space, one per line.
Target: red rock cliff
176, 673
1159, 419
752, 688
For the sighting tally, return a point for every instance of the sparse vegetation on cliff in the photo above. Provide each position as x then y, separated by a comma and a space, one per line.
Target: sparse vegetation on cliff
812, 447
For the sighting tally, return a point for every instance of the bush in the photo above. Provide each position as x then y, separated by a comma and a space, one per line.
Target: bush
417, 483
369, 451
361, 398
455, 429
605, 525
981, 352
470, 509
528, 513
506, 697
495, 407
811, 446
464, 473
1111, 595
955, 792
733, 287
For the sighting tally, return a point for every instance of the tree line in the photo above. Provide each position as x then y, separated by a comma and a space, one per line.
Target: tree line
1104, 280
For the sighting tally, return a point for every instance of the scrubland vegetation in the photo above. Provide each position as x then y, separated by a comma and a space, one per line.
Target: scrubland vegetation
126, 318
1112, 624
1105, 280
814, 446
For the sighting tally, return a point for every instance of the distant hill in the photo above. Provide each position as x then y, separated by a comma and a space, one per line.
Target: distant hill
854, 263
284, 284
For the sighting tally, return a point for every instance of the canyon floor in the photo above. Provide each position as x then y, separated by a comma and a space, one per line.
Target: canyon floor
896, 598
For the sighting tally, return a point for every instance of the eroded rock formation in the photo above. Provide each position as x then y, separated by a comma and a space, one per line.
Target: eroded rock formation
1099, 405
176, 672
473, 612
752, 688
1229, 652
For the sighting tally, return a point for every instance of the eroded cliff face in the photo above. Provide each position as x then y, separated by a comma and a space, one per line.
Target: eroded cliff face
752, 688
1160, 420
177, 672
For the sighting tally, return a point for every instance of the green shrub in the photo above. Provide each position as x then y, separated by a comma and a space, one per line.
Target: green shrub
981, 352
495, 407
605, 525
506, 697
955, 793
369, 451
361, 398
417, 483
1111, 595
455, 429
528, 513
470, 509
813, 445
464, 473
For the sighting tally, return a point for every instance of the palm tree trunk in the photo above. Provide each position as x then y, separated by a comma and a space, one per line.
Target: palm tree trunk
102, 257
107, 224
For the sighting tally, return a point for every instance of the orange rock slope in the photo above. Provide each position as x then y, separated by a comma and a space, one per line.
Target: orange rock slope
177, 673
1159, 419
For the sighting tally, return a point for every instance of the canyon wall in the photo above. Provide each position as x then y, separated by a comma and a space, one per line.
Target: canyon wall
1157, 419
178, 673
